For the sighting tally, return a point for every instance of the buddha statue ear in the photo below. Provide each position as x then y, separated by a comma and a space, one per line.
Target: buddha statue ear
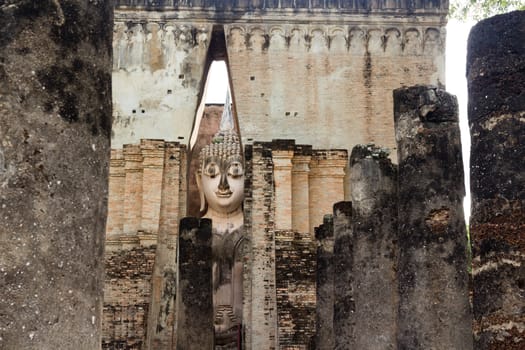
201, 193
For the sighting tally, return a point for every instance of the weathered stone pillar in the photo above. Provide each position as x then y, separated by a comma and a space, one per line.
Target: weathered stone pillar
152, 169
326, 182
133, 189
161, 319
195, 294
434, 310
496, 77
55, 125
324, 234
282, 154
300, 185
117, 181
344, 305
375, 253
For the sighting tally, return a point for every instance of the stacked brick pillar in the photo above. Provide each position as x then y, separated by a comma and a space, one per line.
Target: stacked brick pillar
117, 174
147, 199
300, 173
326, 187
496, 77
137, 173
279, 283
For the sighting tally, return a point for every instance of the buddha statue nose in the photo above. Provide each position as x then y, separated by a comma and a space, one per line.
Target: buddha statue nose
223, 184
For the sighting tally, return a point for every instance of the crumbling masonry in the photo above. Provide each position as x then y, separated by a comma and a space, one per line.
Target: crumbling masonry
343, 248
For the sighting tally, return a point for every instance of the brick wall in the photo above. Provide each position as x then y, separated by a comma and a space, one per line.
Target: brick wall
147, 197
127, 297
295, 278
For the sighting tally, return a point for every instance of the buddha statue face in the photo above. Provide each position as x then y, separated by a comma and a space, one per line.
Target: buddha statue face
222, 182
221, 175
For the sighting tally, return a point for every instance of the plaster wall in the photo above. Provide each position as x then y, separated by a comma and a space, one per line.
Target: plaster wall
328, 85
157, 79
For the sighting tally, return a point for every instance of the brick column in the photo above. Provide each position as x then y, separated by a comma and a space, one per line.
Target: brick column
263, 323
152, 152
117, 182
434, 308
282, 154
496, 77
133, 189
326, 183
194, 304
300, 192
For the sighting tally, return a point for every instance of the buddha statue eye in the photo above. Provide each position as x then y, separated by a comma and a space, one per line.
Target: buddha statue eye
211, 170
235, 170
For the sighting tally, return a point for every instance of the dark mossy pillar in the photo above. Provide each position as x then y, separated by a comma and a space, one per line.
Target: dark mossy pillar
324, 234
195, 294
344, 306
434, 310
55, 121
496, 81
374, 217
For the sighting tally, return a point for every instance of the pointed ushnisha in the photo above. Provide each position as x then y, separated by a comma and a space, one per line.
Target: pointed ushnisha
227, 116
225, 142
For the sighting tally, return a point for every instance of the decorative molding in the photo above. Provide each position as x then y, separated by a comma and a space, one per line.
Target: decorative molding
337, 38
357, 6
134, 41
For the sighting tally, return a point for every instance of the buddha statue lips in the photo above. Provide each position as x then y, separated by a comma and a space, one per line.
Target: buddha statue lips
223, 194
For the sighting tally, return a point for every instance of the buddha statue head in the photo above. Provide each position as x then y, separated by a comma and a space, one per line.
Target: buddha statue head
221, 173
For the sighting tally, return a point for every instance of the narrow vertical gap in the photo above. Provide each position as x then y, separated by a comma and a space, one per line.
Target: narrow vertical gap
208, 114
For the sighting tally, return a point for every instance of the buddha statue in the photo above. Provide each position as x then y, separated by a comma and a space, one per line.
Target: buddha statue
221, 184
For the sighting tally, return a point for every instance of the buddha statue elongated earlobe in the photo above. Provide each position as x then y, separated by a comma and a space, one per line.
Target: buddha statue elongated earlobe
201, 192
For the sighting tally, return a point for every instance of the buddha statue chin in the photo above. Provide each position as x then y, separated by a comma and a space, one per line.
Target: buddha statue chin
221, 184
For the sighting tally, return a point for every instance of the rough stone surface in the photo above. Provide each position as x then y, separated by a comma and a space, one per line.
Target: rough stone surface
434, 309
496, 79
55, 103
194, 301
375, 251
344, 303
324, 322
